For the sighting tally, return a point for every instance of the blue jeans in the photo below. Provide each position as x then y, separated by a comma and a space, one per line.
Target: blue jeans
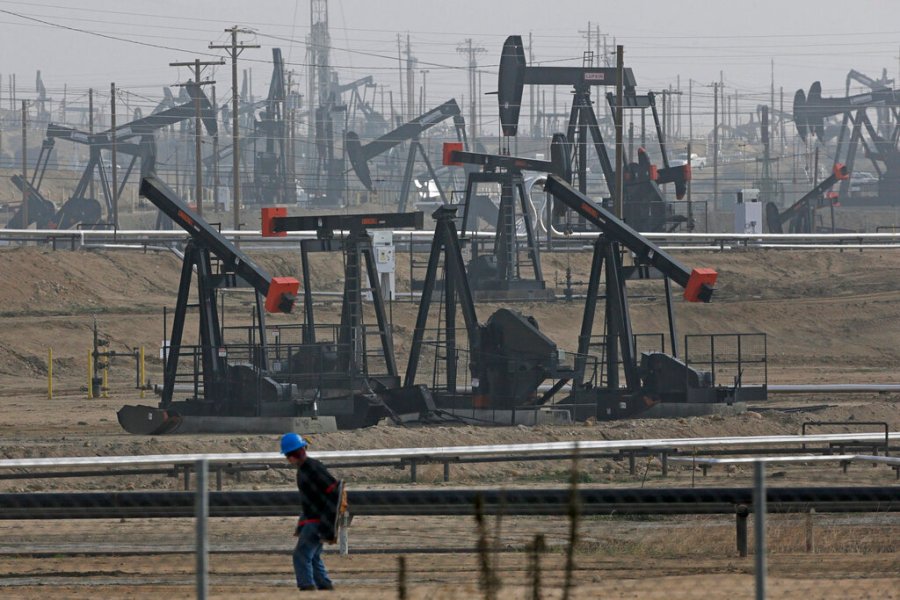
308, 565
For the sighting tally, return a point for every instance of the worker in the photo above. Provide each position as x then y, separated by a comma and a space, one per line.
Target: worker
316, 524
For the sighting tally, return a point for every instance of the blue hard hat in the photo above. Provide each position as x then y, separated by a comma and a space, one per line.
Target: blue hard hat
291, 442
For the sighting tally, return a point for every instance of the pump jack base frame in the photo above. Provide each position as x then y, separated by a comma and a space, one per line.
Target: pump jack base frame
589, 406
151, 420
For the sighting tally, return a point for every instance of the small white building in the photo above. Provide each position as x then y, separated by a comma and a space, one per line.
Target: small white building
748, 212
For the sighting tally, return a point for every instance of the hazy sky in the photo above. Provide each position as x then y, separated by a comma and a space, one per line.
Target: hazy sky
90, 43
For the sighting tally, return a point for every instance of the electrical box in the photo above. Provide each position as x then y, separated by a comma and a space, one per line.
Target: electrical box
385, 261
748, 212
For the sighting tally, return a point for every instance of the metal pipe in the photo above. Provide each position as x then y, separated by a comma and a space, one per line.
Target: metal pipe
452, 502
833, 388
543, 448
256, 235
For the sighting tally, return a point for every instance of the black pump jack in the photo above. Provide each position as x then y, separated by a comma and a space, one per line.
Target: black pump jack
641, 179
229, 390
360, 154
502, 271
659, 377
508, 357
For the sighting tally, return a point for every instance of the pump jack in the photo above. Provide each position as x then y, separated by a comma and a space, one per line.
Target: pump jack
508, 356
341, 373
233, 392
657, 377
270, 170
810, 112
499, 275
640, 190
135, 139
320, 382
799, 216
360, 155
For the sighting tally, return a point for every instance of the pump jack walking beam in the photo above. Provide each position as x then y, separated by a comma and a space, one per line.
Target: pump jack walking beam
279, 292
360, 154
697, 283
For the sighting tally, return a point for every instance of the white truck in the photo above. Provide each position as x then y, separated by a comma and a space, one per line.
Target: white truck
697, 161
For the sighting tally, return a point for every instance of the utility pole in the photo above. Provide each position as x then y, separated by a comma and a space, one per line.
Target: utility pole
198, 175
668, 124
24, 165
715, 87
620, 100
410, 83
690, 204
424, 73
115, 172
587, 34
215, 152
781, 121
290, 162
531, 113
471, 52
677, 131
400, 73
234, 50
320, 100
91, 129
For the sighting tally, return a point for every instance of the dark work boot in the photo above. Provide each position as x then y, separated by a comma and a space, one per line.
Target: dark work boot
327, 587
307, 588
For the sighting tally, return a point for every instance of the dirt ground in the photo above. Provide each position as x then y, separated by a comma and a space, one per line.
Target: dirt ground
829, 317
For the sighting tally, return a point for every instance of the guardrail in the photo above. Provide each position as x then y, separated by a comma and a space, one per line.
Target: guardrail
705, 462
440, 452
448, 455
684, 241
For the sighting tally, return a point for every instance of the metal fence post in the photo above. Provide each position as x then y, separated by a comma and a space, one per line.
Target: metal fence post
344, 535
759, 527
201, 512
740, 516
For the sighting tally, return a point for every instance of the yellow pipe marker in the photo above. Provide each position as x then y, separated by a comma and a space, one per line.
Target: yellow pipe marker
142, 371
90, 364
50, 373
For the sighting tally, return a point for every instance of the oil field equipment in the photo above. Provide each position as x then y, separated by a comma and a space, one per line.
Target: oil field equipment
341, 373
810, 112
748, 214
648, 210
508, 357
135, 139
270, 167
656, 378
100, 359
360, 154
281, 371
501, 274
800, 216
234, 390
